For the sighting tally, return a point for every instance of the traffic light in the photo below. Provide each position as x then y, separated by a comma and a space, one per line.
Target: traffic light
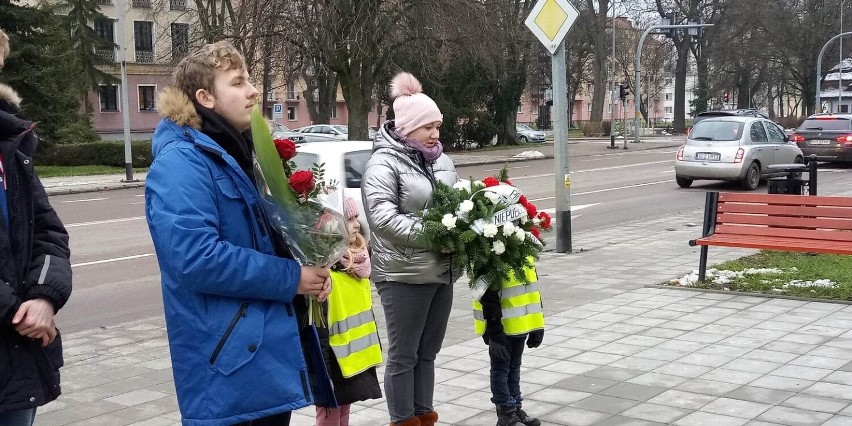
623, 92
670, 20
725, 97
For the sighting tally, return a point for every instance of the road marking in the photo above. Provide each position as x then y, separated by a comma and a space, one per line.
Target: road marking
101, 222
117, 259
552, 210
512, 168
83, 201
608, 189
139, 202
594, 170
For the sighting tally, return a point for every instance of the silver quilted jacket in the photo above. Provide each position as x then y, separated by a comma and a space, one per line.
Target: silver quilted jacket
397, 183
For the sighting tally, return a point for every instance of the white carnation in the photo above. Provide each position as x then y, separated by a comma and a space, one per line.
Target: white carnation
492, 197
478, 183
490, 230
536, 221
462, 184
466, 206
508, 229
498, 247
449, 221
520, 234
524, 219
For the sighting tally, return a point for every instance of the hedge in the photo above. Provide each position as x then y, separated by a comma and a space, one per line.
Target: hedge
104, 153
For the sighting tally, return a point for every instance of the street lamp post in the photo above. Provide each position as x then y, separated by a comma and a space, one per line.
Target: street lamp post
840, 79
637, 119
818, 98
614, 89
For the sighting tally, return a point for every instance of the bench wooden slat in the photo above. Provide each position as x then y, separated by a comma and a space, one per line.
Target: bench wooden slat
784, 221
826, 236
793, 200
776, 243
786, 210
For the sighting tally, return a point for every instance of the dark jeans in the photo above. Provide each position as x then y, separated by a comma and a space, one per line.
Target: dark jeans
506, 374
282, 419
416, 317
23, 417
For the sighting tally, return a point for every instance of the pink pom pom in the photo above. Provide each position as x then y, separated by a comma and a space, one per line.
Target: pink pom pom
404, 84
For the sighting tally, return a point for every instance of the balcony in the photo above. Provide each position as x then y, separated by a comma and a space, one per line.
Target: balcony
107, 54
177, 4
144, 56
292, 95
141, 3
104, 2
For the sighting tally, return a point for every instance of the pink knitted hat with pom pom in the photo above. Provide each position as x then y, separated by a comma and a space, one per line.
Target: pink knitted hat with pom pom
411, 108
350, 207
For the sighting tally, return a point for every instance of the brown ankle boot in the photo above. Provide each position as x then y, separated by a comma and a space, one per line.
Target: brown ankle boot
414, 421
428, 419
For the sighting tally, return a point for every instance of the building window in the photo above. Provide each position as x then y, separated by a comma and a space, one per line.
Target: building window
669, 110
520, 109
109, 98
291, 113
589, 107
143, 36
146, 98
177, 4
333, 111
844, 108
669, 96
104, 29
292, 95
180, 41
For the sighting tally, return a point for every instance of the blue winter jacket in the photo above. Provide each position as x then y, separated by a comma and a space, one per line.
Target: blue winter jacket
233, 334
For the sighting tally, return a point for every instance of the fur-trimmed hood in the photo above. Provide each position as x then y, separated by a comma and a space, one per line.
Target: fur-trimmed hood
9, 95
173, 104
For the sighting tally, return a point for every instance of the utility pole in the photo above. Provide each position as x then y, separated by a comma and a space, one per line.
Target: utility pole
613, 91
121, 14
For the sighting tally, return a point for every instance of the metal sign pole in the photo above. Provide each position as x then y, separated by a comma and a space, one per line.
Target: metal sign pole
121, 12
560, 145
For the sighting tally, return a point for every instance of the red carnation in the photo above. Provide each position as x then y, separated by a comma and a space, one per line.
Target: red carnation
286, 148
507, 181
490, 181
302, 181
545, 220
523, 200
531, 210
535, 232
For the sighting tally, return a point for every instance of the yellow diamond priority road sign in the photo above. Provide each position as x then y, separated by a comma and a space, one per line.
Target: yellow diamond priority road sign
550, 20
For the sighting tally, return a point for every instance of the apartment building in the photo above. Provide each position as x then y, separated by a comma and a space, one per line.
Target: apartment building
157, 34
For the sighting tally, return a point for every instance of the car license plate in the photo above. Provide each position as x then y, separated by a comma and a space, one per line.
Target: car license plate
711, 156
820, 142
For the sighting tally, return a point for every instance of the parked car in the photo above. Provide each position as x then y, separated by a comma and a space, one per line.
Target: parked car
281, 132
734, 148
747, 112
829, 136
528, 134
326, 132
343, 163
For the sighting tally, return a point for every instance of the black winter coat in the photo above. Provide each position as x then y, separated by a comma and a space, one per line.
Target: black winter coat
34, 263
360, 387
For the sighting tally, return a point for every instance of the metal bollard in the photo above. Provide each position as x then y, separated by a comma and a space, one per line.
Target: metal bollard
812, 174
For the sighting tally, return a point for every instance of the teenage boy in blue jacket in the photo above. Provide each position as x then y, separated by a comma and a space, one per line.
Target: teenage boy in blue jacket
237, 353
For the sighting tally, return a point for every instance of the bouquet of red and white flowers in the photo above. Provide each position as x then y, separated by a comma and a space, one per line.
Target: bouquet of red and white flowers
490, 228
314, 232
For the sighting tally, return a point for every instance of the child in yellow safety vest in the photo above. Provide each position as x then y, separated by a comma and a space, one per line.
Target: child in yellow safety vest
350, 344
507, 319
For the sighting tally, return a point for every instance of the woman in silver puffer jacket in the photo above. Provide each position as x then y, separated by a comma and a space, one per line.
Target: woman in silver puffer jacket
414, 284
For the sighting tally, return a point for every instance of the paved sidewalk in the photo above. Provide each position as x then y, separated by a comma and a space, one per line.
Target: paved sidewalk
615, 353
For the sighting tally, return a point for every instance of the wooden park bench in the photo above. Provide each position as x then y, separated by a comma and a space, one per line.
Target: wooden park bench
810, 224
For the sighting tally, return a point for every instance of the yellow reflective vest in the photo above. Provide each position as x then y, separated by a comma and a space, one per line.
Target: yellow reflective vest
353, 334
520, 304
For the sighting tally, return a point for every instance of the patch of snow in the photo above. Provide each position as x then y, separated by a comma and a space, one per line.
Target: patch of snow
529, 154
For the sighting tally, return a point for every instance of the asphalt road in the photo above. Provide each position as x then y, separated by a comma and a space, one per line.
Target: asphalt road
116, 278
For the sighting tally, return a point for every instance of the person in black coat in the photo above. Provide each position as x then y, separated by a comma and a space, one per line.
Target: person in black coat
35, 271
